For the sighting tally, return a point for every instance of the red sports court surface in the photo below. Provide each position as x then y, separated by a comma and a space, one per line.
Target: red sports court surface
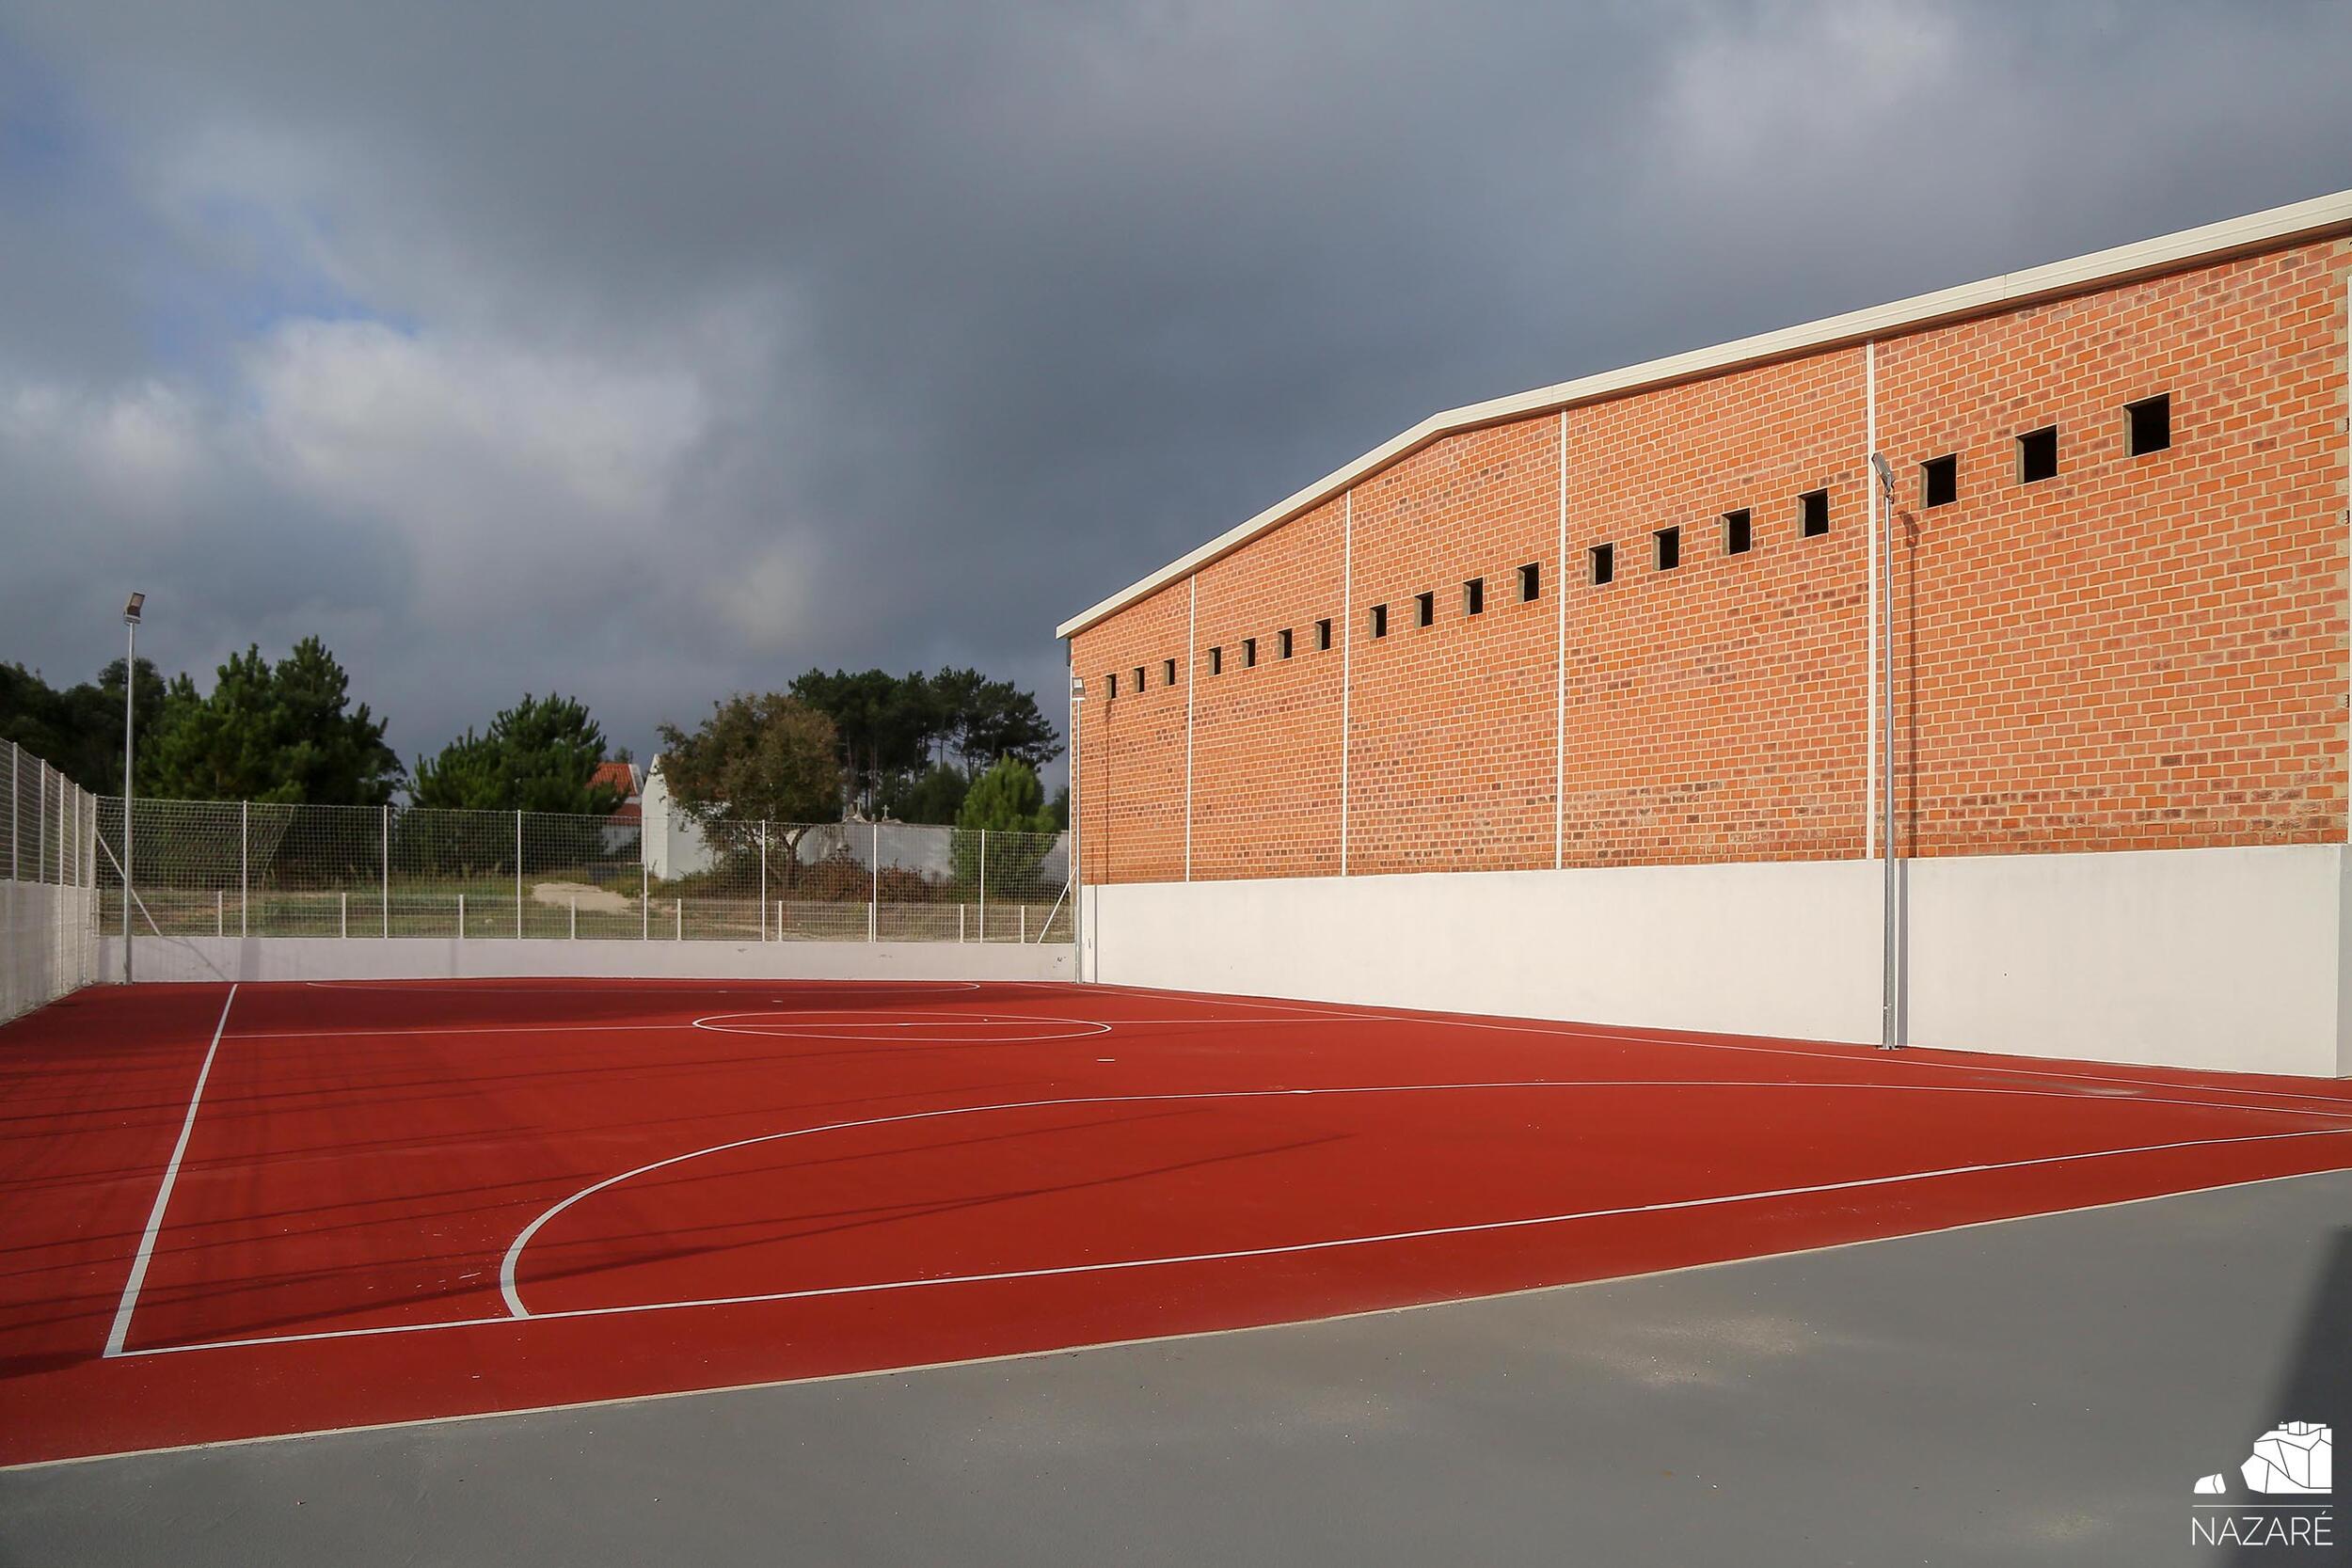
305, 1206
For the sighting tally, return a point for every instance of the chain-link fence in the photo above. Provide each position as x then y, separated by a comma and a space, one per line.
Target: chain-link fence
48, 926
229, 868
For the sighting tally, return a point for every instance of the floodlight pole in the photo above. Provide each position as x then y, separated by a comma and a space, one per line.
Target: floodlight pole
1886, 496
132, 610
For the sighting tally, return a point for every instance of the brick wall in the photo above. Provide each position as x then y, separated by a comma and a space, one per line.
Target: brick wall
1450, 765
1131, 747
2142, 652
1719, 711
1266, 738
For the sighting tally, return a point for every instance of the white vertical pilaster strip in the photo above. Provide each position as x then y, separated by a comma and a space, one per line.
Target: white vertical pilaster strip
1192, 674
1347, 653
1559, 669
1870, 678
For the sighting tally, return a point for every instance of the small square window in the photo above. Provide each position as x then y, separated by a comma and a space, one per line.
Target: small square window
1738, 532
2037, 455
1474, 596
1167, 671
1604, 564
1139, 681
1250, 652
1379, 620
1424, 608
1939, 482
1282, 641
1813, 513
1216, 661
1669, 548
2149, 424
1113, 680
1530, 583
1322, 636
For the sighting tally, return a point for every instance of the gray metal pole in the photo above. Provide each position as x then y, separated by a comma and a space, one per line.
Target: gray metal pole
763, 881
244, 862
387, 868
518, 872
983, 884
1886, 634
130, 714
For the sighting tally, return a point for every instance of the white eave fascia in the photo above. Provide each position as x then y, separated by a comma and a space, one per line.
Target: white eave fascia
2214, 242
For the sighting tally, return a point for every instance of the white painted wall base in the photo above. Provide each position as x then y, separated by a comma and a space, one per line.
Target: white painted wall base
2229, 958
170, 958
48, 942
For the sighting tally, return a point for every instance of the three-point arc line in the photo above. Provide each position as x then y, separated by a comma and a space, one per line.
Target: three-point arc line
510, 1264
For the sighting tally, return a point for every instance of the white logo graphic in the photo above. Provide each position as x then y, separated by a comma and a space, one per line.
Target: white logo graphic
2294, 1460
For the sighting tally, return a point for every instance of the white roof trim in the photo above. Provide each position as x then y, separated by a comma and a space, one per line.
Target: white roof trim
2280, 226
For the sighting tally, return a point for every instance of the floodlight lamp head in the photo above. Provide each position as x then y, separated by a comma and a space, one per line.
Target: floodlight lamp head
1077, 689
131, 611
1885, 471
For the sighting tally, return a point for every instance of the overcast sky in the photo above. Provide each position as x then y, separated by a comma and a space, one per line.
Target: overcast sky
651, 352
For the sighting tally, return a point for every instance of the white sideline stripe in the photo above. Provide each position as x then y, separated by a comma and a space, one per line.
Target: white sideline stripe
1994, 1064
763, 1297
508, 1264
789, 1026
917, 1022
121, 1330
529, 984
666, 1395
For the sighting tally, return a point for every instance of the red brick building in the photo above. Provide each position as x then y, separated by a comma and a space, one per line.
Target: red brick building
1634, 622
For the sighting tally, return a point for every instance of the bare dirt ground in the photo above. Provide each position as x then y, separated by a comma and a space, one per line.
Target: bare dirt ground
599, 899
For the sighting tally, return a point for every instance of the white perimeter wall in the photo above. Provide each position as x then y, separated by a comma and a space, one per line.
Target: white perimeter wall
47, 943
170, 959
2226, 959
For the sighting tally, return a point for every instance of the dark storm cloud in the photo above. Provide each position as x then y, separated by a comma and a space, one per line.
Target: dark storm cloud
652, 352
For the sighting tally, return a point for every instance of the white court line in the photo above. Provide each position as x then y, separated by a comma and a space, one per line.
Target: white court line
915, 1022
862, 1374
454, 1029
509, 1265
796, 1026
505, 986
1994, 1062
121, 1330
1123, 1265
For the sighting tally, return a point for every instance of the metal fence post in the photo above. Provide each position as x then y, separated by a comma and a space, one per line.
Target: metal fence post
345, 933
518, 872
574, 917
763, 881
245, 863
873, 905
461, 917
16, 762
387, 868
983, 884
680, 912
645, 890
